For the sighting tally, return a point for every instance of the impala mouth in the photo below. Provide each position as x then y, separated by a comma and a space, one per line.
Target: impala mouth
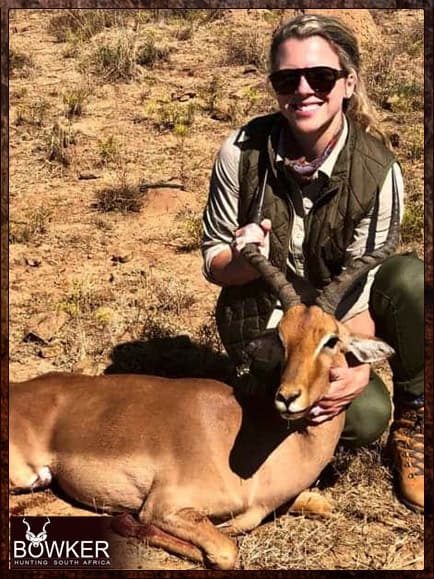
291, 416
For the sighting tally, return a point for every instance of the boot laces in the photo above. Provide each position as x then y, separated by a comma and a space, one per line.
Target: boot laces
412, 445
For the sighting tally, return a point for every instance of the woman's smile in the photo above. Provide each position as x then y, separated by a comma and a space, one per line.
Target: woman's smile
305, 109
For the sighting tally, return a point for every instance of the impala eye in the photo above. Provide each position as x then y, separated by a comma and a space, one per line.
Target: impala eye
331, 342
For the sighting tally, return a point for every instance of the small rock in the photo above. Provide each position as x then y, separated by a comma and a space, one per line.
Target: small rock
186, 96
32, 261
87, 176
250, 69
51, 351
44, 327
122, 257
220, 116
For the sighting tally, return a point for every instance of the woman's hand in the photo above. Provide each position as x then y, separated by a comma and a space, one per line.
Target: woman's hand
253, 233
345, 385
229, 267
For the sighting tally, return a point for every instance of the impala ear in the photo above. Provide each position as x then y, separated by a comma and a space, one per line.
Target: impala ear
266, 350
368, 350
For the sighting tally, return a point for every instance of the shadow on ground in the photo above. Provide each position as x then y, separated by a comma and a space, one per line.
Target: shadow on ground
172, 357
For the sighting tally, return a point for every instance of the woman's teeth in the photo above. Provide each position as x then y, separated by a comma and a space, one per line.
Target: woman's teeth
309, 107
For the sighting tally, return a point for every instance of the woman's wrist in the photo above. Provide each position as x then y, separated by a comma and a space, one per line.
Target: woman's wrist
229, 268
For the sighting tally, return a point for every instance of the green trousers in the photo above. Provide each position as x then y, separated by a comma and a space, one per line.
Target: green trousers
396, 305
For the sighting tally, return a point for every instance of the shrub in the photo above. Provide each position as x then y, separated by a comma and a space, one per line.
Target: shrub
82, 298
149, 53
113, 59
191, 230
19, 63
74, 101
33, 113
81, 25
59, 140
172, 115
124, 198
35, 226
212, 94
246, 48
109, 150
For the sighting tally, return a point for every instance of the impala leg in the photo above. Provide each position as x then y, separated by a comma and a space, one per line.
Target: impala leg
243, 522
219, 551
311, 503
127, 526
24, 478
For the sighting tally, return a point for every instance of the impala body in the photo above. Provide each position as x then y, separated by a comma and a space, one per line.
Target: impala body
184, 453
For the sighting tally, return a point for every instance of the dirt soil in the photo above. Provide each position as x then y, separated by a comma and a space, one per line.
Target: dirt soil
92, 289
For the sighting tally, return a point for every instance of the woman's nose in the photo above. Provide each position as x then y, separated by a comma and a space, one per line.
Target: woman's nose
303, 86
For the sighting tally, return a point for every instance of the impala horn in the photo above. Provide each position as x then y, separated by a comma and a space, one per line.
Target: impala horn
331, 296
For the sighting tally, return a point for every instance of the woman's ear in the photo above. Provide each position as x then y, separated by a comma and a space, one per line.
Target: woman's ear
350, 84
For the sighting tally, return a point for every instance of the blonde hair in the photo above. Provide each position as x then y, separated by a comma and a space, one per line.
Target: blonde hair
344, 43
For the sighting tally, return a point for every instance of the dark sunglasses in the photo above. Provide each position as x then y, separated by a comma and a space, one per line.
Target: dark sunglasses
320, 78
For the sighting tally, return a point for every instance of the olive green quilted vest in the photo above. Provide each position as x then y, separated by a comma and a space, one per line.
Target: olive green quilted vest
360, 170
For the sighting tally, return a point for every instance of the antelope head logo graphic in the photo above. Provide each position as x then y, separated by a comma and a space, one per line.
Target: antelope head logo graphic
36, 539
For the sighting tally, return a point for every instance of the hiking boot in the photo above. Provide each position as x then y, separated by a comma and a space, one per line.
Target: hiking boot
406, 443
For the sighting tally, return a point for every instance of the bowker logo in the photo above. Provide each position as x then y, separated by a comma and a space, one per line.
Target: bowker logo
65, 547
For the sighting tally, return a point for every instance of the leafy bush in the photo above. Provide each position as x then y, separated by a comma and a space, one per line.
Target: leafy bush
172, 115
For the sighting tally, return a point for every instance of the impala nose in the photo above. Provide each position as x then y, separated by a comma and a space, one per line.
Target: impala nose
284, 401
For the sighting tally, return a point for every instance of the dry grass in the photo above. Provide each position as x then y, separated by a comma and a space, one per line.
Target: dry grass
150, 54
171, 116
20, 64
59, 139
189, 15
109, 150
113, 58
124, 198
365, 530
153, 307
32, 228
34, 113
191, 230
246, 47
81, 25
75, 99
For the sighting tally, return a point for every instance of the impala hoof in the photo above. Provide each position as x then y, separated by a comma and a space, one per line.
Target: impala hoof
225, 558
